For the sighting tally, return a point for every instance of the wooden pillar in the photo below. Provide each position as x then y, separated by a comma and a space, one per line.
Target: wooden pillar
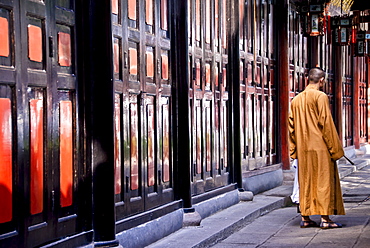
314, 51
181, 115
356, 104
338, 90
97, 75
281, 22
234, 92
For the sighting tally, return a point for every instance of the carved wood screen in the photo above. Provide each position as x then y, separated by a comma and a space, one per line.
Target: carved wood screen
207, 32
347, 96
363, 99
39, 167
143, 154
257, 84
298, 57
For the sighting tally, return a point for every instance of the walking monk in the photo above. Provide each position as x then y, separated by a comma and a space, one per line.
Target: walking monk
315, 143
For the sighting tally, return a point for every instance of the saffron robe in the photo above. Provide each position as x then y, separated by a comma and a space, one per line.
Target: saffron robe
314, 141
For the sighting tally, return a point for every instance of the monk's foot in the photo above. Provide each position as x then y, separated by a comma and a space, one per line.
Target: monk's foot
308, 223
330, 224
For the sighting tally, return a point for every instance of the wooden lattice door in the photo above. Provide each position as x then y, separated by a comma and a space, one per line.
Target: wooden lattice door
143, 155
208, 58
38, 100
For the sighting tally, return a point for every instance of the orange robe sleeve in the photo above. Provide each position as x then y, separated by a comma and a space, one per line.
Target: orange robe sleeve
328, 128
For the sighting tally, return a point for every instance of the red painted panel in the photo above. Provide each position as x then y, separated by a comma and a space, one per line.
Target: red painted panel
166, 144
116, 56
4, 37
208, 138
197, 20
37, 156
217, 135
197, 75
199, 139
66, 153
134, 147
34, 43
133, 61
224, 23
132, 9
117, 145
115, 7
164, 15
216, 76
208, 76
149, 64
208, 21
151, 141
149, 12
6, 182
164, 67
64, 49
217, 20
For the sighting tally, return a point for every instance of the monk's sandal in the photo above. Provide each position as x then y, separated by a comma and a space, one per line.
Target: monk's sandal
308, 223
330, 224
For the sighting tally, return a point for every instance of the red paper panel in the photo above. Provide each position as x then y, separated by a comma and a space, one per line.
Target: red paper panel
199, 139
134, 147
6, 182
66, 153
166, 144
197, 75
208, 75
218, 138
4, 37
149, 12
224, 23
37, 156
208, 139
151, 140
216, 76
164, 67
149, 64
116, 56
197, 20
208, 21
117, 145
64, 49
164, 15
34, 43
217, 20
132, 9
115, 7
133, 61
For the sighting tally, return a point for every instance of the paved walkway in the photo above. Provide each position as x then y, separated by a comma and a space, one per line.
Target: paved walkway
265, 222
280, 228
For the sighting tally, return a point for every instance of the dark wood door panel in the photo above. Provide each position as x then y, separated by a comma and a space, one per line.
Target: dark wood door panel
45, 132
142, 66
257, 85
208, 94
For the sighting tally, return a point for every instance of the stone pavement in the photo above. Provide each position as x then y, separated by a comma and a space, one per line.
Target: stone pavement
267, 221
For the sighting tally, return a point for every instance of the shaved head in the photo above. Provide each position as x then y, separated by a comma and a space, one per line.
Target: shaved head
315, 74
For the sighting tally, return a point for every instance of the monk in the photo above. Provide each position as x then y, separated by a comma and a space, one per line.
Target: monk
314, 141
